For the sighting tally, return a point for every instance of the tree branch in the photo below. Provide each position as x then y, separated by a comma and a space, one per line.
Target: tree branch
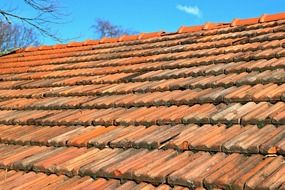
47, 13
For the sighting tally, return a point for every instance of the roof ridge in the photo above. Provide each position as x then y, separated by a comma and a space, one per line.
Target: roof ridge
183, 29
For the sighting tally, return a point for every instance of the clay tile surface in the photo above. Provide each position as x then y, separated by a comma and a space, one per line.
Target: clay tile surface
108, 40
241, 22
185, 29
74, 44
201, 108
128, 38
143, 36
91, 42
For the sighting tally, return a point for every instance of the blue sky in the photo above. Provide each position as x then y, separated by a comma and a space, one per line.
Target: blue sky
151, 15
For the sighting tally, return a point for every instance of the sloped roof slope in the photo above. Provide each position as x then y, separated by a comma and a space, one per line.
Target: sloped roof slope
202, 108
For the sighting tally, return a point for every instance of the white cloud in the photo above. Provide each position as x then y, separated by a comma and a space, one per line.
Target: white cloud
193, 10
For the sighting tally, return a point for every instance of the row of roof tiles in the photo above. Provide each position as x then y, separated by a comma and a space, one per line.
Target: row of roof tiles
18, 180
190, 42
249, 139
156, 166
183, 29
243, 43
148, 71
258, 93
235, 113
110, 86
215, 65
261, 44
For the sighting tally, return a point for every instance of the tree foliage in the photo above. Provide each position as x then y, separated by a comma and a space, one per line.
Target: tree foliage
15, 36
105, 28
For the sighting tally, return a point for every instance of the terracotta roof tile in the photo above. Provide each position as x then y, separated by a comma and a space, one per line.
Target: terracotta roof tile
143, 36
218, 170
128, 38
200, 108
242, 22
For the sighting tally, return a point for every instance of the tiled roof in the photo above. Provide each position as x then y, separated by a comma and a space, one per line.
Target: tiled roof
201, 108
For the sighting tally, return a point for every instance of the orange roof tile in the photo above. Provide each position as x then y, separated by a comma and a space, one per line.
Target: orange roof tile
201, 108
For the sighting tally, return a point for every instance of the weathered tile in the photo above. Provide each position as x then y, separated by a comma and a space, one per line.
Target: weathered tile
193, 173
275, 180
